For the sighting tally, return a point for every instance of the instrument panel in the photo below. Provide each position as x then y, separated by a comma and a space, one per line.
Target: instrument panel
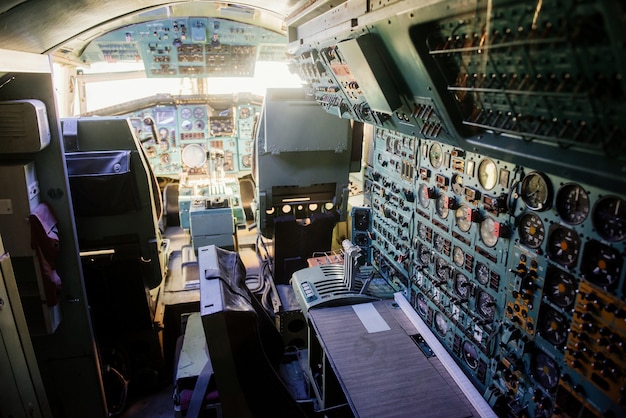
504, 263
190, 134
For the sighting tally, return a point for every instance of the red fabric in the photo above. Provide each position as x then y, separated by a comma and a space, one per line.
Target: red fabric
44, 239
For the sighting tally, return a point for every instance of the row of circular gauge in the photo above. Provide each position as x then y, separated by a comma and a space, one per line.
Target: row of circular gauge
573, 206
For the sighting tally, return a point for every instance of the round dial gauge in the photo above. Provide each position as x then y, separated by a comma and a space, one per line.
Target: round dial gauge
198, 113
442, 269
194, 156
486, 305
457, 184
487, 174
470, 355
560, 288
440, 243
244, 113
601, 264
422, 305
185, 113
442, 206
609, 218
545, 370
424, 254
164, 145
553, 326
151, 151
531, 230
463, 218
536, 191
482, 273
458, 256
186, 125
441, 325
163, 132
423, 196
563, 246
489, 232
572, 204
165, 158
199, 125
462, 286
435, 155
422, 231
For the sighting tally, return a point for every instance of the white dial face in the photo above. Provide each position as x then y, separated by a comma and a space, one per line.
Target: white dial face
194, 156
487, 174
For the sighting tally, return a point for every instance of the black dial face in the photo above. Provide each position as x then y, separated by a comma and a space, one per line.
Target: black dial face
435, 155
560, 288
442, 206
441, 325
422, 231
531, 230
609, 218
457, 184
489, 231
545, 370
442, 269
461, 286
424, 254
572, 204
422, 305
463, 218
470, 355
563, 246
440, 243
553, 326
601, 264
458, 256
423, 197
482, 273
536, 191
486, 305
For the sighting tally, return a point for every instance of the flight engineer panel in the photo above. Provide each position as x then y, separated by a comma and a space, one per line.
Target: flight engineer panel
494, 189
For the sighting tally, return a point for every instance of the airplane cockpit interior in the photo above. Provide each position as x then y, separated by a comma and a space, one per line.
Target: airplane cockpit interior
313, 208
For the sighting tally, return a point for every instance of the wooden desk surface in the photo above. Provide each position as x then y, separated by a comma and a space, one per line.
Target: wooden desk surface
384, 373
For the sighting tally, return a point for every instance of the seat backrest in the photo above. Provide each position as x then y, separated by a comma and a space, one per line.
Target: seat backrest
117, 201
244, 345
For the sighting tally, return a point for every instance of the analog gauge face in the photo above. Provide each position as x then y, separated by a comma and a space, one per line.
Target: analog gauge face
609, 218
435, 155
422, 231
442, 269
489, 230
441, 324
151, 151
163, 132
487, 174
563, 246
572, 204
194, 156
470, 355
185, 113
482, 273
536, 191
244, 113
461, 286
422, 305
442, 206
199, 125
388, 143
545, 370
531, 230
198, 113
560, 288
165, 158
601, 264
457, 184
164, 145
553, 326
463, 218
440, 243
424, 254
423, 196
186, 125
458, 256
486, 305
